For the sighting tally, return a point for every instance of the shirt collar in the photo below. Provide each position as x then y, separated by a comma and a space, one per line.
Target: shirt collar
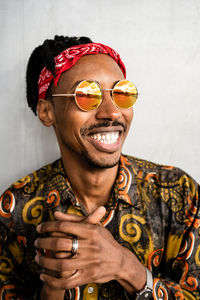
126, 181
125, 187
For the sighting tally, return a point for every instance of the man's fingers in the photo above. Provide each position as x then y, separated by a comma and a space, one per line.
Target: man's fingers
63, 265
96, 216
63, 227
82, 230
67, 217
61, 283
63, 254
93, 218
60, 234
64, 245
55, 275
71, 279
54, 243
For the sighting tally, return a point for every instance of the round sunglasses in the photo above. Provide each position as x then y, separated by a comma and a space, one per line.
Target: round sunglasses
88, 94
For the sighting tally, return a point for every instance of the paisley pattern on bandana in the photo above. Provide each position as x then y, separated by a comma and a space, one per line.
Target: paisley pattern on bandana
68, 58
153, 211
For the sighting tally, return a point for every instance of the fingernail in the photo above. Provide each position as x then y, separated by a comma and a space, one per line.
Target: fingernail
42, 277
36, 243
37, 258
38, 228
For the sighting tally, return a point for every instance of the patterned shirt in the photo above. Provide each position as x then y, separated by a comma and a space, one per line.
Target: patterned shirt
153, 211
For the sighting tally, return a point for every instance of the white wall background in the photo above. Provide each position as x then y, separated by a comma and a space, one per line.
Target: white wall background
159, 41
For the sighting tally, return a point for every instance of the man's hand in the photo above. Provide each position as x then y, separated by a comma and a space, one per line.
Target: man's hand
100, 257
48, 291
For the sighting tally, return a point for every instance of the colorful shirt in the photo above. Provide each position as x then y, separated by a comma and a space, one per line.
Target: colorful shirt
153, 211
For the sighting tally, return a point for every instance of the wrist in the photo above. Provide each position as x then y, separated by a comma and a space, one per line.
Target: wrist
147, 292
48, 293
132, 275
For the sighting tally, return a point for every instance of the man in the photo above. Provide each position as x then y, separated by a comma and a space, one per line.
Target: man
95, 224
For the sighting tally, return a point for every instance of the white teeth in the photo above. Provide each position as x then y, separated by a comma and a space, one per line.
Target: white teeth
108, 138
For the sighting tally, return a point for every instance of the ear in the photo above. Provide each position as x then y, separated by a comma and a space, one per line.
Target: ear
46, 112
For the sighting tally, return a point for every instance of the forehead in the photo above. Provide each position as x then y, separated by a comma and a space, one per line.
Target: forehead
100, 67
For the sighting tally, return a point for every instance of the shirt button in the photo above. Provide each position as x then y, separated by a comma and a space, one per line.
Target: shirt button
90, 290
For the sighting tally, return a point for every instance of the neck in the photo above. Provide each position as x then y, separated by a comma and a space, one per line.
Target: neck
93, 188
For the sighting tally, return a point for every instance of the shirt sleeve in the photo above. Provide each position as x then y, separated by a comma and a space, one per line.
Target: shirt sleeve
176, 267
18, 276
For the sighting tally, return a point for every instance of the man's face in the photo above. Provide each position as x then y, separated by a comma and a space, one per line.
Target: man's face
95, 137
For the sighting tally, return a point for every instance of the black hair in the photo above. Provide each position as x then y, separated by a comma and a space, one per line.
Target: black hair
43, 56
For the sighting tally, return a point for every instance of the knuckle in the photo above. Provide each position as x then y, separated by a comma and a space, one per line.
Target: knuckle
89, 227
93, 275
96, 252
59, 244
61, 226
56, 243
98, 227
62, 266
94, 248
95, 241
53, 283
66, 274
94, 235
96, 257
62, 274
43, 227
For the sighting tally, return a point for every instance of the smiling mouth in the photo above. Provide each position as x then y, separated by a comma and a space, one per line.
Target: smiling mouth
106, 138
106, 141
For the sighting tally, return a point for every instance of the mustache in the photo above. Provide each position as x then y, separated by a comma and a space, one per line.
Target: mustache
105, 123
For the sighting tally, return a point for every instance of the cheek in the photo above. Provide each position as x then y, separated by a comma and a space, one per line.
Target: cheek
70, 119
77, 119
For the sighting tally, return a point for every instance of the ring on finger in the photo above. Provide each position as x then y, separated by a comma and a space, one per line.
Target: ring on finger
74, 246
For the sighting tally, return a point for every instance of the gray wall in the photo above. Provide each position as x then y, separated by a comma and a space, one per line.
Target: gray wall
159, 41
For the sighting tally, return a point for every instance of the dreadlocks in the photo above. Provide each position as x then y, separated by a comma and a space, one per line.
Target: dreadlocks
43, 56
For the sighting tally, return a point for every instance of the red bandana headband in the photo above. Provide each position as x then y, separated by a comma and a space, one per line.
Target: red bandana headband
68, 58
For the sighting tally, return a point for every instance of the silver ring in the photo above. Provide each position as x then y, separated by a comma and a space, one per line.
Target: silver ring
74, 246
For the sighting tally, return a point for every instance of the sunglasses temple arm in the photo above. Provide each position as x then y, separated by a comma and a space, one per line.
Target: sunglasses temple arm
62, 95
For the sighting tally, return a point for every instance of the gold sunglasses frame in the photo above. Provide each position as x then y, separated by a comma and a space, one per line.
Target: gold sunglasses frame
102, 90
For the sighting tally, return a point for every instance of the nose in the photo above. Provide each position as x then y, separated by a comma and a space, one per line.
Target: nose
108, 110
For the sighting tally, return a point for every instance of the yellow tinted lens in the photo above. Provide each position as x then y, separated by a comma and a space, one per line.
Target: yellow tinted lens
88, 95
124, 94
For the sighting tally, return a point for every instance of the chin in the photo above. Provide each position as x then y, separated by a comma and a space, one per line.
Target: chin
101, 163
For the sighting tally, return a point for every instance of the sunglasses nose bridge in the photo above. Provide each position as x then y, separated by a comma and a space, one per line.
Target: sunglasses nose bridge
107, 108
107, 97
